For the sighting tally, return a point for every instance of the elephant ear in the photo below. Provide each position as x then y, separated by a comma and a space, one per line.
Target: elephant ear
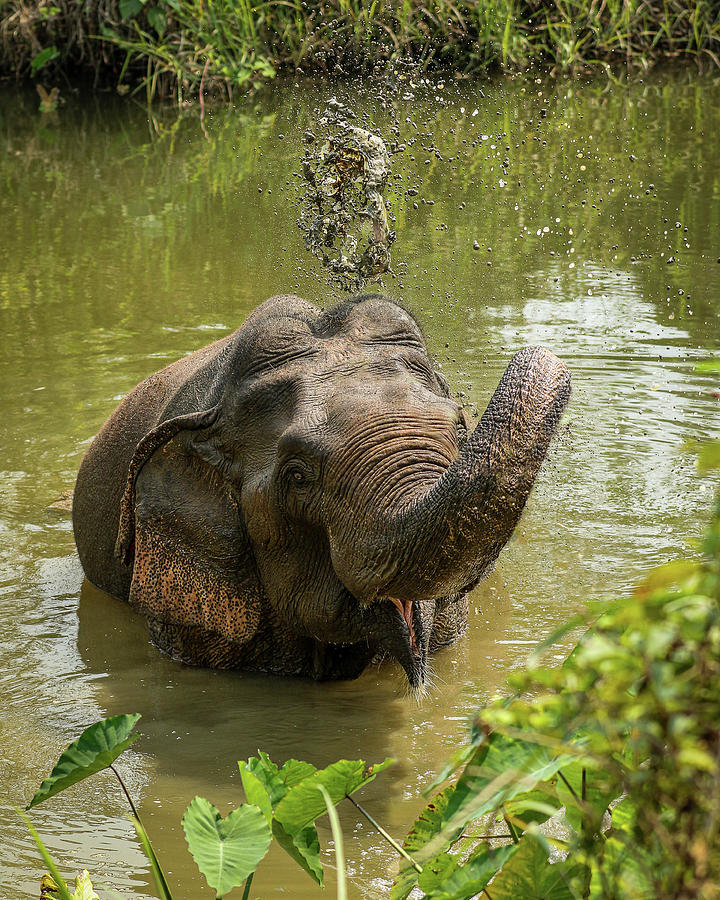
182, 529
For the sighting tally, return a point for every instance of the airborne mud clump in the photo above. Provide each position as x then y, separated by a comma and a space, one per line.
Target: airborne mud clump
343, 215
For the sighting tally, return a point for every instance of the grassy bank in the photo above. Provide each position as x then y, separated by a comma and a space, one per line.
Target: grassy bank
180, 48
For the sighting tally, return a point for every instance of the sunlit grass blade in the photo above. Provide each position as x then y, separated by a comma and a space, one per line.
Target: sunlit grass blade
155, 868
338, 841
47, 859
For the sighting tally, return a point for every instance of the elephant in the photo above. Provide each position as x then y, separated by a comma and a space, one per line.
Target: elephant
304, 496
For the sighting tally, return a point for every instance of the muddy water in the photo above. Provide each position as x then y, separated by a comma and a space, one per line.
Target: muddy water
127, 240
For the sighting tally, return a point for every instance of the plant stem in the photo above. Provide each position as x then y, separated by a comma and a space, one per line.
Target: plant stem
125, 791
393, 843
570, 788
248, 882
511, 829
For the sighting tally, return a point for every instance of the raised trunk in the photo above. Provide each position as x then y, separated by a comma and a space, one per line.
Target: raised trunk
446, 539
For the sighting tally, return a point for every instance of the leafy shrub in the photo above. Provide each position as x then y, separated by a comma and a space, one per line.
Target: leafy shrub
616, 754
284, 803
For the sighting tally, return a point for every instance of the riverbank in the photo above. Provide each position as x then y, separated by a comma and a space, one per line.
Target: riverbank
183, 48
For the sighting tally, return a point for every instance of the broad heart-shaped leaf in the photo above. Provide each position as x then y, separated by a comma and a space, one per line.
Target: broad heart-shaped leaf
303, 804
446, 878
226, 850
501, 768
426, 826
96, 748
530, 875
294, 771
303, 847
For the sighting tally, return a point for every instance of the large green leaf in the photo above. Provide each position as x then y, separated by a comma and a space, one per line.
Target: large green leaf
255, 792
446, 878
303, 847
501, 769
304, 803
585, 805
276, 781
530, 875
294, 771
510, 765
226, 850
268, 774
96, 748
534, 806
426, 826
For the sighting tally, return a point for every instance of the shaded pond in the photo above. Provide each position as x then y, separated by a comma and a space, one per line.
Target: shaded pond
129, 239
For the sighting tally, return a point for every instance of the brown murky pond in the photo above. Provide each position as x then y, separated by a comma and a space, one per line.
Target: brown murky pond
128, 239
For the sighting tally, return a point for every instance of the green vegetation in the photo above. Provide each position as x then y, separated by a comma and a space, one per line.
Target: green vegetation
598, 779
619, 747
182, 48
283, 803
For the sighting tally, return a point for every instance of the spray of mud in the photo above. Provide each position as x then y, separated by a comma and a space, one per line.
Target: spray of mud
343, 214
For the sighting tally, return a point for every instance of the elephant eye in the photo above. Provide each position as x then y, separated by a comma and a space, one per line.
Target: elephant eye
296, 474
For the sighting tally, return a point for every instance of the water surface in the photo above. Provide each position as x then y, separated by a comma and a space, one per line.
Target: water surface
129, 239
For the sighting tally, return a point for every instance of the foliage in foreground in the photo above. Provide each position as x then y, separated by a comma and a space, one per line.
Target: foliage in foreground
283, 803
616, 755
598, 779
182, 47
620, 747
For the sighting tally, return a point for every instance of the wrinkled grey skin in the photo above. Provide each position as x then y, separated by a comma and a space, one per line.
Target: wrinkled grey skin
303, 495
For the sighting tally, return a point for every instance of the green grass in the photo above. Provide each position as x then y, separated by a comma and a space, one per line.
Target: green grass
181, 48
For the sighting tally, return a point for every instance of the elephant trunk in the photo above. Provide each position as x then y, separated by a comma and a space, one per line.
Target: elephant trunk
447, 538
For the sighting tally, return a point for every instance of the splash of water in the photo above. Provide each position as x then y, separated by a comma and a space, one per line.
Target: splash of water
343, 215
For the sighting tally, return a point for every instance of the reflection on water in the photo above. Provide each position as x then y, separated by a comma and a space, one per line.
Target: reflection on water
129, 240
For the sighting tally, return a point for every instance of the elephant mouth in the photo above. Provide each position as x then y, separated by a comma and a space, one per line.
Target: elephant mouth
410, 646
405, 608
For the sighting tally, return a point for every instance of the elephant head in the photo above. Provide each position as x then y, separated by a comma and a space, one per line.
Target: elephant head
309, 495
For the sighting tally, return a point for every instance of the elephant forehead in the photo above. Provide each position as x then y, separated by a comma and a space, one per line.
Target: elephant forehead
379, 321
368, 317
284, 340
